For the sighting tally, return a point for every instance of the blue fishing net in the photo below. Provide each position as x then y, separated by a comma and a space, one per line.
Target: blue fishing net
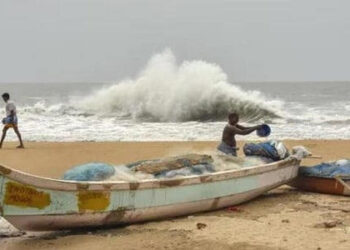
328, 169
93, 171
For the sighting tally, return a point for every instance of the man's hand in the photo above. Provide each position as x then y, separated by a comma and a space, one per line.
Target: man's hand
258, 127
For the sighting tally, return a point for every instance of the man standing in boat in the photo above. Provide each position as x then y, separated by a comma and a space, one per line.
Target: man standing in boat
228, 141
10, 121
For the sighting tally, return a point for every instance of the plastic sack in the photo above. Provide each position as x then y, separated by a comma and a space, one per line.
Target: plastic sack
93, 171
272, 149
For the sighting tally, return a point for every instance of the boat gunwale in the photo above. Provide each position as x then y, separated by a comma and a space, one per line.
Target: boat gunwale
64, 185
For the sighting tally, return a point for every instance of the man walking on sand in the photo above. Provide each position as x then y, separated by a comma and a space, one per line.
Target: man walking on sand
228, 141
10, 121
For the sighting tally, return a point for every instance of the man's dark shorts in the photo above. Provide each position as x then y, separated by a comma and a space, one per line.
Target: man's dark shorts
227, 149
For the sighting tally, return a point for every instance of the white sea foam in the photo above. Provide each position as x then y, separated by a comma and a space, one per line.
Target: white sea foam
166, 91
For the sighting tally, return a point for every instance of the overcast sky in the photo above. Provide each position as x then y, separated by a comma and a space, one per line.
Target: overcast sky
104, 40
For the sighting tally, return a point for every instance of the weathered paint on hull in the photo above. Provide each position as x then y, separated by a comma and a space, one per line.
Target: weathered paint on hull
38, 208
321, 185
57, 222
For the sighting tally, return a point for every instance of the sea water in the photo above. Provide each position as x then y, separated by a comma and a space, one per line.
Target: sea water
175, 101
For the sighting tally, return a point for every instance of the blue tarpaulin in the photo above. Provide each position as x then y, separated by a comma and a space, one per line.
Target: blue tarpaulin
328, 169
268, 149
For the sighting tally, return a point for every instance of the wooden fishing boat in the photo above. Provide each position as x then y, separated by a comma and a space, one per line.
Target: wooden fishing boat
35, 203
338, 185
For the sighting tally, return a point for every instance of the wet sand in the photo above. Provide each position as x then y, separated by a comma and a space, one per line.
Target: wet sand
283, 218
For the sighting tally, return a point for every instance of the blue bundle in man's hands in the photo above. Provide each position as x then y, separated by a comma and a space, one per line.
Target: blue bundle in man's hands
264, 131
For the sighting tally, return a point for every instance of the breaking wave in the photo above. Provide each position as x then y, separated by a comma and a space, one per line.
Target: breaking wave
193, 90
166, 91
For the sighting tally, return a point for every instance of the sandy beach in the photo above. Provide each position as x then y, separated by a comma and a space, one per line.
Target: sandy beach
120, 82
283, 218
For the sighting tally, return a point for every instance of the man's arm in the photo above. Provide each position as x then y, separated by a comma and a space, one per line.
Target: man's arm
245, 131
241, 127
